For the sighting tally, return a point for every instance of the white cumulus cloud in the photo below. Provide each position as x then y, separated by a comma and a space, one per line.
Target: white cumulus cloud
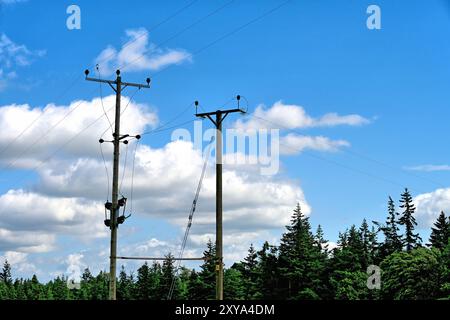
138, 54
290, 116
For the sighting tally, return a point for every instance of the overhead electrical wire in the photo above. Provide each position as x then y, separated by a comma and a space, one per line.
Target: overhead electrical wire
35, 142
106, 170
122, 111
310, 154
132, 175
123, 169
228, 34
190, 219
101, 100
79, 77
215, 11
146, 32
11, 142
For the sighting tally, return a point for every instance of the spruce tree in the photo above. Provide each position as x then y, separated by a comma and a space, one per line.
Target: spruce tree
167, 276
125, 286
441, 232
298, 259
5, 275
143, 279
407, 219
268, 273
206, 283
250, 274
320, 240
392, 239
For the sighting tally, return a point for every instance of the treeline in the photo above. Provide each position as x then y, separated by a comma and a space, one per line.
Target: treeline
301, 267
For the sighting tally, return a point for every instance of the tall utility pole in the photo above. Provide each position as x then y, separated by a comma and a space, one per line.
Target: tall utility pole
220, 115
113, 223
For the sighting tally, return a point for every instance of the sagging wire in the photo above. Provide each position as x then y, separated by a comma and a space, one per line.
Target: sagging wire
162, 127
124, 109
124, 167
101, 99
132, 174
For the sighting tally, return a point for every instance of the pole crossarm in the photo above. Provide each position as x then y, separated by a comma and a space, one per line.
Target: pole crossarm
124, 84
214, 113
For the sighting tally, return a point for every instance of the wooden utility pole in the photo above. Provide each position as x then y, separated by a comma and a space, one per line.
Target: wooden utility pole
117, 85
220, 115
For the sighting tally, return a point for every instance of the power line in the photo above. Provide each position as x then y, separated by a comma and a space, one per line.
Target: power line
106, 170
77, 78
124, 168
189, 224
38, 117
178, 33
157, 130
61, 147
228, 34
176, 13
352, 152
310, 154
101, 100
35, 142
132, 175
124, 109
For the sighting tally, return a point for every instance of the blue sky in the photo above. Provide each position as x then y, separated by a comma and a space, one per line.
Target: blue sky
316, 55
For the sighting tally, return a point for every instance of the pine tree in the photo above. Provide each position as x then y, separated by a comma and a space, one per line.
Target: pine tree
407, 219
5, 275
392, 240
366, 245
233, 285
320, 240
207, 275
349, 263
143, 279
195, 286
268, 272
249, 273
183, 285
298, 259
125, 286
441, 232
167, 276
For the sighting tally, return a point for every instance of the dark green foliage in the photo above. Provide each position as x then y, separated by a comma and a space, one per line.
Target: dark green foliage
268, 280
250, 274
233, 285
5, 275
125, 286
167, 275
441, 232
301, 267
411, 275
445, 276
299, 260
392, 240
